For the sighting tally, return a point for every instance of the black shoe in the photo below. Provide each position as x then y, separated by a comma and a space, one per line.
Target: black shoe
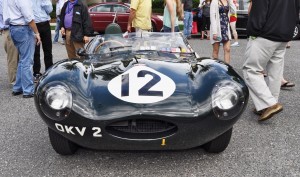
37, 77
16, 93
28, 96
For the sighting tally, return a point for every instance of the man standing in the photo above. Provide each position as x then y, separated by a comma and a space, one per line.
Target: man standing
187, 6
76, 25
140, 16
41, 11
19, 15
10, 49
269, 33
59, 5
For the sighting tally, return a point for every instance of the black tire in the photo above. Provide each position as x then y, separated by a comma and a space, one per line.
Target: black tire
218, 144
60, 144
296, 34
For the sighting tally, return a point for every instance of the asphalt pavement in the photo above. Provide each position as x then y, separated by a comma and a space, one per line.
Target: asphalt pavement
268, 149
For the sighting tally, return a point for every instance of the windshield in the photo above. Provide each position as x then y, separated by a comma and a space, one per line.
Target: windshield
133, 42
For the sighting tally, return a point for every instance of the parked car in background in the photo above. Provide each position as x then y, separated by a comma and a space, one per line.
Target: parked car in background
242, 14
103, 14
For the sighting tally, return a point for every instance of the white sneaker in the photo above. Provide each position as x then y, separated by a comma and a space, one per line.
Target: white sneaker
236, 44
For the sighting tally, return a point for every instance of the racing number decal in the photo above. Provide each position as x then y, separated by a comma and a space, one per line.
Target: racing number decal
145, 90
142, 84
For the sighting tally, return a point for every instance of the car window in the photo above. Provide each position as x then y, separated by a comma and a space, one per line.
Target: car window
120, 8
243, 4
102, 8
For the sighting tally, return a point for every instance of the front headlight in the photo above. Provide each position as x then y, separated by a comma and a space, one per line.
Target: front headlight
58, 97
227, 100
55, 100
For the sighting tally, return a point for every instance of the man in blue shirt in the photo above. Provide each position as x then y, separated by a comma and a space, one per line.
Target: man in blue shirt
41, 11
10, 49
24, 33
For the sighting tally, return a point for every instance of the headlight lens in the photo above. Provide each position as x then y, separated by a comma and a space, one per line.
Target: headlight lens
227, 100
58, 97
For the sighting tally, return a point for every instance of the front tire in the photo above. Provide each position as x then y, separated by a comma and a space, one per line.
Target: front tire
60, 144
218, 144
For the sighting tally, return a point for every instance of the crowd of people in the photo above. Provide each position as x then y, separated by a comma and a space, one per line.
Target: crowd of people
25, 25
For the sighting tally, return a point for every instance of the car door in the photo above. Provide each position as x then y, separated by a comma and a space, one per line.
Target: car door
101, 16
122, 13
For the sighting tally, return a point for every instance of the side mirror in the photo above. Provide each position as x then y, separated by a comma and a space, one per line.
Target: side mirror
81, 52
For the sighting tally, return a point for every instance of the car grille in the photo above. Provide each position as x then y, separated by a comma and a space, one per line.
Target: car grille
141, 129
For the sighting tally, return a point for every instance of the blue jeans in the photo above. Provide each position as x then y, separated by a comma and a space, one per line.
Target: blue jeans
57, 28
24, 41
187, 22
168, 30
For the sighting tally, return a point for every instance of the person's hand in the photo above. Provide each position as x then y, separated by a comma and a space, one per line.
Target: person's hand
129, 28
62, 31
38, 38
215, 37
86, 39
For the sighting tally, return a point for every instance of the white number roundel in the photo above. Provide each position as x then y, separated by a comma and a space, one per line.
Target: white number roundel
142, 84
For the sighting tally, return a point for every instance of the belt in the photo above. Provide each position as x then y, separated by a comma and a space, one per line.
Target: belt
42, 23
17, 25
188, 10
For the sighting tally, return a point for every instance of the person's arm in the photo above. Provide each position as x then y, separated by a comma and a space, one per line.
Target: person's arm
249, 8
232, 7
170, 7
47, 6
213, 18
131, 17
87, 25
36, 32
62, 19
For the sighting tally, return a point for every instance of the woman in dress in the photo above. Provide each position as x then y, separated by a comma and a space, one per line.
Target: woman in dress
219, 28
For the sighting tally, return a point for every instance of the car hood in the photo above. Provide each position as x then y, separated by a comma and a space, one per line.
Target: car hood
92, 98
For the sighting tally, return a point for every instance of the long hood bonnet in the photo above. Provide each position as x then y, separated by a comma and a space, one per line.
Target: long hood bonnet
147, 87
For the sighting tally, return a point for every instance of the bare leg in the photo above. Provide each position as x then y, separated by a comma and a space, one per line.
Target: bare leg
226, 47
207, 32
216, 47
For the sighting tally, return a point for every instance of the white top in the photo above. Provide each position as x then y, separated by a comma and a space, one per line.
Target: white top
17, 12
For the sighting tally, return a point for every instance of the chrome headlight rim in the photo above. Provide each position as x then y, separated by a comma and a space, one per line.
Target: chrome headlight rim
44, 106
235, 99
58, 97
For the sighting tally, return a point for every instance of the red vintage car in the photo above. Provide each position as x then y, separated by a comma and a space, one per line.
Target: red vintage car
103, 14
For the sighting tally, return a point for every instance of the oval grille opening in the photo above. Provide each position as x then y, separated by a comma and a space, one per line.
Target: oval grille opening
141, 129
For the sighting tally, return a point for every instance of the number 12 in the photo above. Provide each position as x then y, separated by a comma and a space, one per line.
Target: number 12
145, 90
